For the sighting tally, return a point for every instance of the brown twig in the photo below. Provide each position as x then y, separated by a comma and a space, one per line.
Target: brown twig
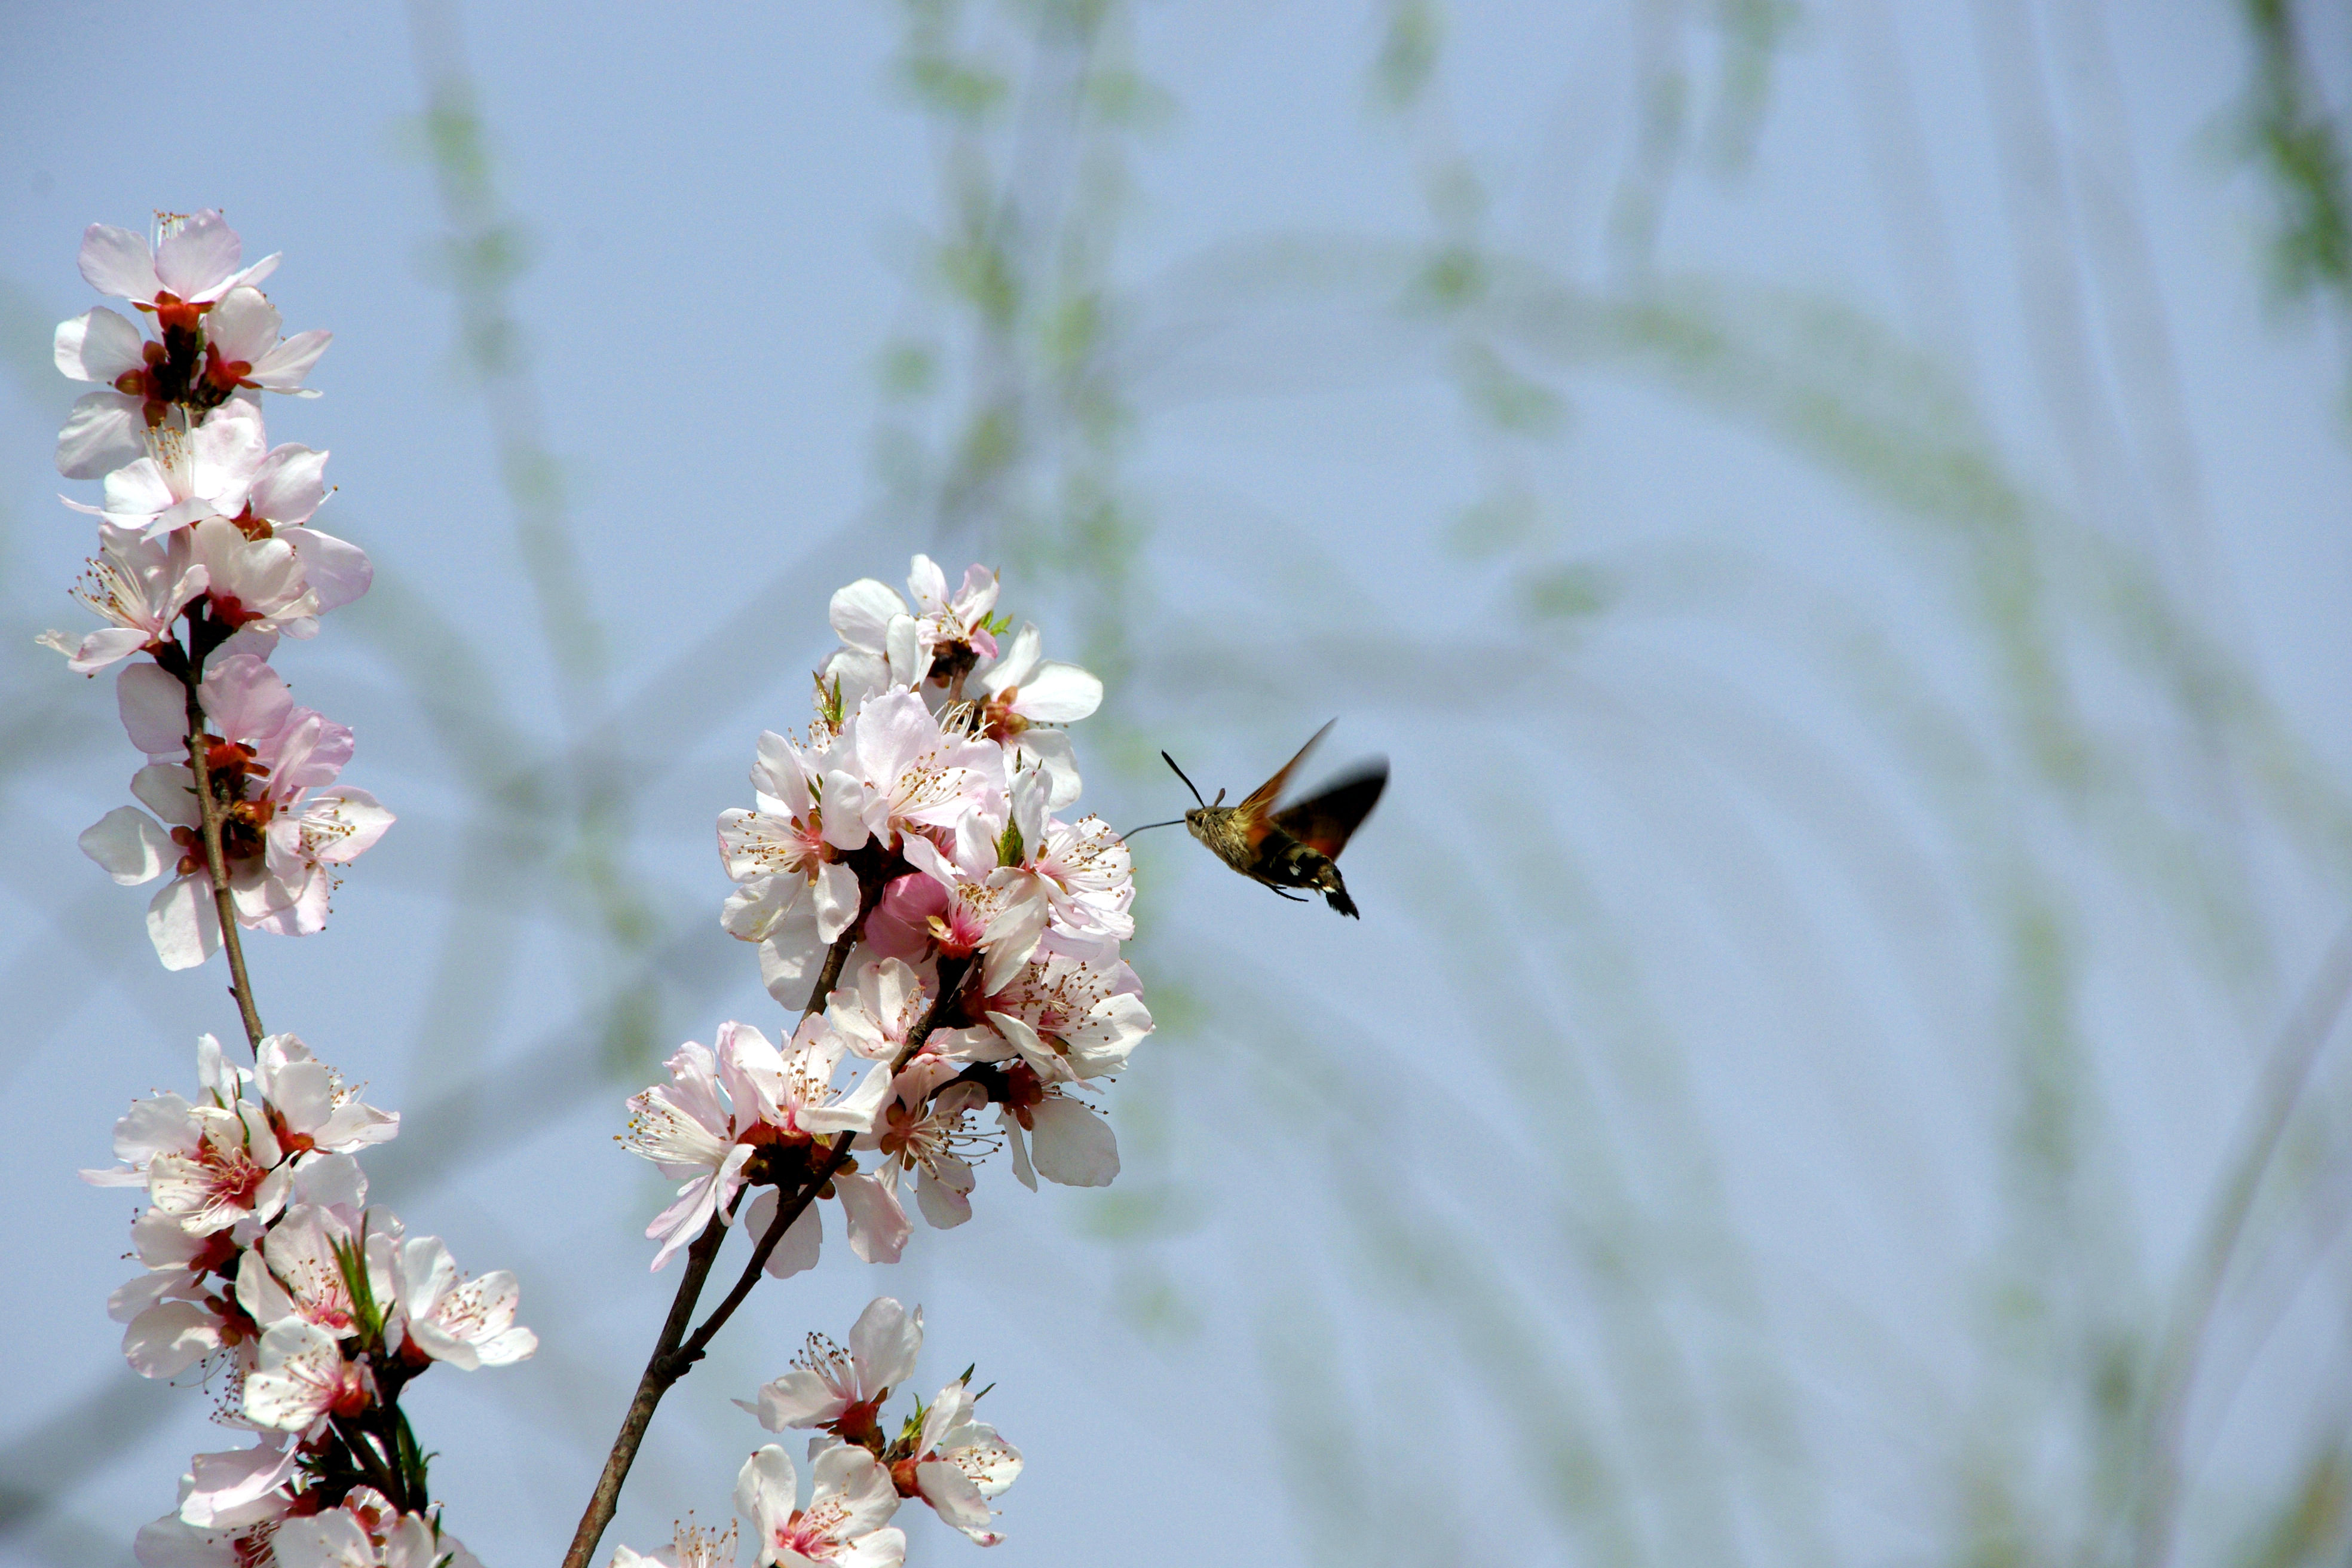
951, 975
674, 1354
687, 1354
659, 1375
830, 975
208, 816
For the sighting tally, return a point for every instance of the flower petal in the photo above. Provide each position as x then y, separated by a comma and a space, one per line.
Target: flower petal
130, 847
184, 922
1075, 1146
878, 1227
956, 1498
861, 614
1058, 694
290, 485
197, 260
766, 1490
99, 345
283, 368
797, 1252
883, 1344
102, 433
154, 709
116, 261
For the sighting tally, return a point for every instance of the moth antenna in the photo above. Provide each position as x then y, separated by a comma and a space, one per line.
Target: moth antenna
1147, 827
1220, 800
1188, 783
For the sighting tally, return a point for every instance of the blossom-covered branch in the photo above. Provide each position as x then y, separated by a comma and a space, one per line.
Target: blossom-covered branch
262, 1260
207, 557
907, 872
911, 883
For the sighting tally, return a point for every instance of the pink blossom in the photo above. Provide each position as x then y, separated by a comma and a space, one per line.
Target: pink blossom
918, 917
720, 1109
1082, 870
366, 1532
1075, 1146
295, 1271
234, 1155
881, 645
226, 1167
141, 585
224, 472
308, 838
467, 1323
793, 894
241, 1488
242, 348
1074, 1012
690, 1547
320, 1113
842, 1391
847, 1522
885, 645
171, 1542
874, 1016
107, 427
271, 1141
961, 1464
924, 1133
300, 1376
876, 1225
255, 585
219, 342
689, 1127
188, 475
953, 626
1001, 912
176, 1314
282, 836
894, 774
1019, 692
194, 262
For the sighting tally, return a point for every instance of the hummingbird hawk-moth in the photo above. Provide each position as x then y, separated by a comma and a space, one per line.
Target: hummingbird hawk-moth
1298, 846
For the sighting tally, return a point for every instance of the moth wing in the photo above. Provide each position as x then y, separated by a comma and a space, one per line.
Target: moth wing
1261, 798
1325, 821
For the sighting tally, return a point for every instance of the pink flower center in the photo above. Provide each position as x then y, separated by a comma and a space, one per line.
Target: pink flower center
809, 1532
235, 1178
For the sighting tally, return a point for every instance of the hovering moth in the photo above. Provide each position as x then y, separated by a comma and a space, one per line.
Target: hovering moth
1297, 846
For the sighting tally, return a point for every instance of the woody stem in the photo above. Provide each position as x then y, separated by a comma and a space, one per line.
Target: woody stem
658, 1375
674, 1354
208, 816
951, 973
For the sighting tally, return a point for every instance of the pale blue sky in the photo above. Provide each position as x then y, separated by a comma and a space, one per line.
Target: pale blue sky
724, 208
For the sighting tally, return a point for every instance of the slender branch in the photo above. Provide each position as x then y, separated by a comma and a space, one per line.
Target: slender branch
658, 1375
830, 975
2307, 1031
691, 1352
952, 974
666, 1365
208, 815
